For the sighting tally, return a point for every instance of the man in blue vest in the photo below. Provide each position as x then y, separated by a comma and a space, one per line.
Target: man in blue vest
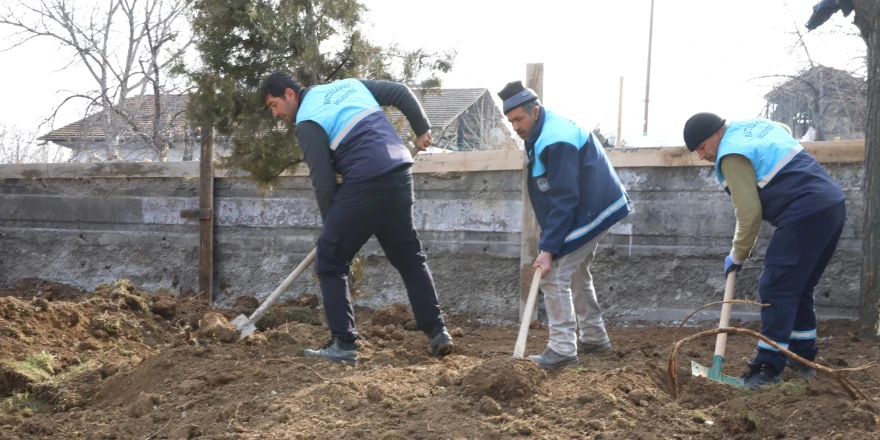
341, 128
576, 196
770, 176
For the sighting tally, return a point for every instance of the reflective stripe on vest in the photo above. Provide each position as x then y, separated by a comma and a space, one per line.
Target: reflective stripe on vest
337, 107
351, 123
764, 143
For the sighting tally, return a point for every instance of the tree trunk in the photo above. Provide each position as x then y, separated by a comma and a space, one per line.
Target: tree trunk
869, 23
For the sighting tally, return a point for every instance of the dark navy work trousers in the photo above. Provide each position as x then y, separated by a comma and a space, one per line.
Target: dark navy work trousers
796, 258
382, 207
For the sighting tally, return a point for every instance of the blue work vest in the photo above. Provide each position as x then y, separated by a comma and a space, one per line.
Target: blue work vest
791, 183
363, 142
602, 200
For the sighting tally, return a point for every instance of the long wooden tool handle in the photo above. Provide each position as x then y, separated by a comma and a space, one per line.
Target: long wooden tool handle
284, 285
721, 342
520, 348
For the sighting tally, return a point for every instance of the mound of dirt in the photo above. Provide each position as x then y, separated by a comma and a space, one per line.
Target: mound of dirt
30, 288
397, 313
504, 379
108, 365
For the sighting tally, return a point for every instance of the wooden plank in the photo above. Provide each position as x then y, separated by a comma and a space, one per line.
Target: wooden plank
824, 152
496, 160
530, 233
206, 225
654, 157
471, 161
837, 151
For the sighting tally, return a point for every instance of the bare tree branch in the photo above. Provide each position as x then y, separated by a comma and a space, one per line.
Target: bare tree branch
123, 44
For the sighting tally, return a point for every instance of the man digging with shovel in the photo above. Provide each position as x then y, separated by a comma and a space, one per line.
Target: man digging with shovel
341, 128
576, 196
771, 177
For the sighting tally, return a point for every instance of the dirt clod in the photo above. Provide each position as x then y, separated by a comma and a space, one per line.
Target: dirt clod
504, 379
489, 406
214, 326
397, 313
375, 394
165, 307
308, 300
143, 405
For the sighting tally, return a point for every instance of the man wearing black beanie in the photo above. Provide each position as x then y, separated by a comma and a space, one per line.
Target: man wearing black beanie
770, 176
576, 196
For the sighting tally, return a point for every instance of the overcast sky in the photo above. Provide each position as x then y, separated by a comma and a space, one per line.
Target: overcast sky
705, 56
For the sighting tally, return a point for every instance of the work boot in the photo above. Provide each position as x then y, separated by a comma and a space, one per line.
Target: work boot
800, 369
551, 360
759, 375
440, 342
588, 347
336, 351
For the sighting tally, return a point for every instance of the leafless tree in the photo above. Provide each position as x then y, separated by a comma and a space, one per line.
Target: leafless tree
832, 101
124, 45
17, 146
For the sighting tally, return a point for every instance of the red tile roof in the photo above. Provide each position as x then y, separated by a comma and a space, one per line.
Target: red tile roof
140, 109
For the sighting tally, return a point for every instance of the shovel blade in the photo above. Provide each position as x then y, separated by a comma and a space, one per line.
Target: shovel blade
244, 326
714, 373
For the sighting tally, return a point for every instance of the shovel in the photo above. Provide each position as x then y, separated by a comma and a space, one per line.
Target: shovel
245, 325
714, 373
520, 348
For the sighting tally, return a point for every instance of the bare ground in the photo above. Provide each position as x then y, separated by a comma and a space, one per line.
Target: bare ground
119, 363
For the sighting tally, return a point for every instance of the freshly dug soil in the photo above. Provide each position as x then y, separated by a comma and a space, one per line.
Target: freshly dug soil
119, 363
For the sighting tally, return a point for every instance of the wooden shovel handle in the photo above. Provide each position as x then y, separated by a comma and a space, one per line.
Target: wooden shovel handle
284, 286
721, 342
520, 348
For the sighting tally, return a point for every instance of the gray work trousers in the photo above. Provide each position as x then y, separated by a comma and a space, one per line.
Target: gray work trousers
570, 300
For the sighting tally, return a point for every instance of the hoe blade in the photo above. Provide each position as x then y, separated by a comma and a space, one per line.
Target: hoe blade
714, 373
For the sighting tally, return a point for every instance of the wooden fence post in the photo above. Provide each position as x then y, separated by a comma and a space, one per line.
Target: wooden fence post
530, 232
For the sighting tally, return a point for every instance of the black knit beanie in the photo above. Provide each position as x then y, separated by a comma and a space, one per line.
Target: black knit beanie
514, 95
699, 127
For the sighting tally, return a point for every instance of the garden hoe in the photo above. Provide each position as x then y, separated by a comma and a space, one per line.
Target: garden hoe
245, 325
520, 348
714, 372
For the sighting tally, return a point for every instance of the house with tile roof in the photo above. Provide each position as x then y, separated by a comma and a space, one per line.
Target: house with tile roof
87, 139
461, 120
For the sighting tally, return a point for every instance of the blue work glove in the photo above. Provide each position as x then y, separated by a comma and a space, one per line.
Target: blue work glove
730, 265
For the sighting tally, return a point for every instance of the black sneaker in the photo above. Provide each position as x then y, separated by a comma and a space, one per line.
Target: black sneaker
760, 375
551, 360
588, 347
440, 344
800, 369
336, 351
